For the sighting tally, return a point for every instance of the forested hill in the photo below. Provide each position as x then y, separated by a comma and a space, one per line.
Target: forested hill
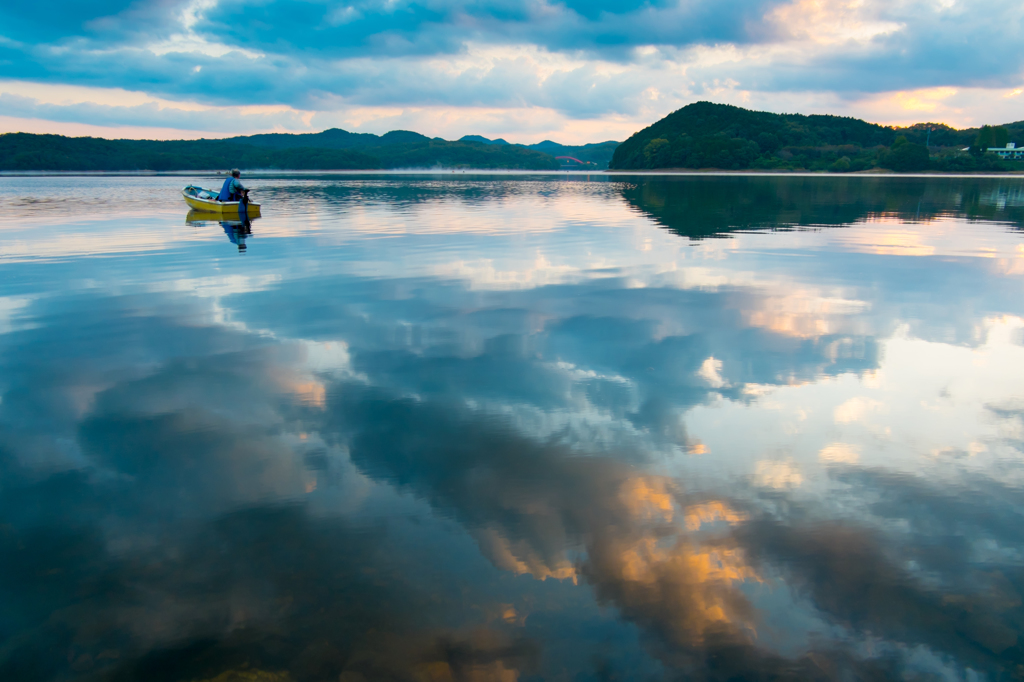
330, 150
596, 155
333, 138
707, 135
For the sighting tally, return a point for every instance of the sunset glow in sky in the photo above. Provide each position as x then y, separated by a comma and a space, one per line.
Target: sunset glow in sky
574, 71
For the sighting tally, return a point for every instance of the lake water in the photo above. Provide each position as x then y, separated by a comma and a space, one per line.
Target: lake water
513, 427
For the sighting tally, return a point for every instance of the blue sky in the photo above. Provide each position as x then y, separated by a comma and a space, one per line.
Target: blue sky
525, 70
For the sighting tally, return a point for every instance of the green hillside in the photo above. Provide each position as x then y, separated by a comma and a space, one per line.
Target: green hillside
439, 153
700, 135
24, 151
707, 135
944, 136
320, 151
598, 154
408, 149
332, 138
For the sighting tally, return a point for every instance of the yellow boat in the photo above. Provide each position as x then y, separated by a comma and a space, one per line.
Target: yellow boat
205, 200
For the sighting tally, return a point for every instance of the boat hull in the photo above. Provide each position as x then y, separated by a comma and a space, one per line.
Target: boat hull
219, 207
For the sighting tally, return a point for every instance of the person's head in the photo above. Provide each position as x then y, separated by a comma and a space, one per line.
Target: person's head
236, 173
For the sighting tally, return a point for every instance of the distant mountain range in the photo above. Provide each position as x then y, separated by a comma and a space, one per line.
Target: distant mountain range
334, 138
700, 135
332, 149
597, 154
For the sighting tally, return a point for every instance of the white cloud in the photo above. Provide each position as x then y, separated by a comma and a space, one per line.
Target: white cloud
840, 453
710, 371
777, 474
856, 410
525, 71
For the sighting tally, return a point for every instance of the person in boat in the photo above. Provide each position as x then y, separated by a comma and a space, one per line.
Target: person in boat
233, 188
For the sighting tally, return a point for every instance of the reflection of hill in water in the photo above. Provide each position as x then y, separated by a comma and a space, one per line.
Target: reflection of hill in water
403, 192
695, 206
709, 206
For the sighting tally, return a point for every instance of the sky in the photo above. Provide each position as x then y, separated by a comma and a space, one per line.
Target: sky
526, 70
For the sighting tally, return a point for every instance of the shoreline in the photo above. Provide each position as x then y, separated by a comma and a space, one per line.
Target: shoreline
864, 173
215, 174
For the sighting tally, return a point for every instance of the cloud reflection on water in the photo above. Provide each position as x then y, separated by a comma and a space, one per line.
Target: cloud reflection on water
417, 477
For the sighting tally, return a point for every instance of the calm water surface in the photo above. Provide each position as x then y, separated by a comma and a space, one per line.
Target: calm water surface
513, 428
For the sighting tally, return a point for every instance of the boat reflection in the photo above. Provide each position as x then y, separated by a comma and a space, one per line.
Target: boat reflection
236, 230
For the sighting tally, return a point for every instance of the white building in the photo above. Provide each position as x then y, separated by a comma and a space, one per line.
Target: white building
1009, 152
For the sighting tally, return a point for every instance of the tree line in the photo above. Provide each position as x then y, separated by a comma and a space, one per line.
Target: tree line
707, 135
29, 152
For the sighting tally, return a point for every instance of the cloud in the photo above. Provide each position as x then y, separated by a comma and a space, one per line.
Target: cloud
939, 539
110, 19
558, 365
580, 62
533, 505
427, 27
777, 474
846, 573
440, 27
229, 594
149, 560
224, 120
856, 410
217, 470
641, 547
914, 45
485, 77
841, 453
179, 490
